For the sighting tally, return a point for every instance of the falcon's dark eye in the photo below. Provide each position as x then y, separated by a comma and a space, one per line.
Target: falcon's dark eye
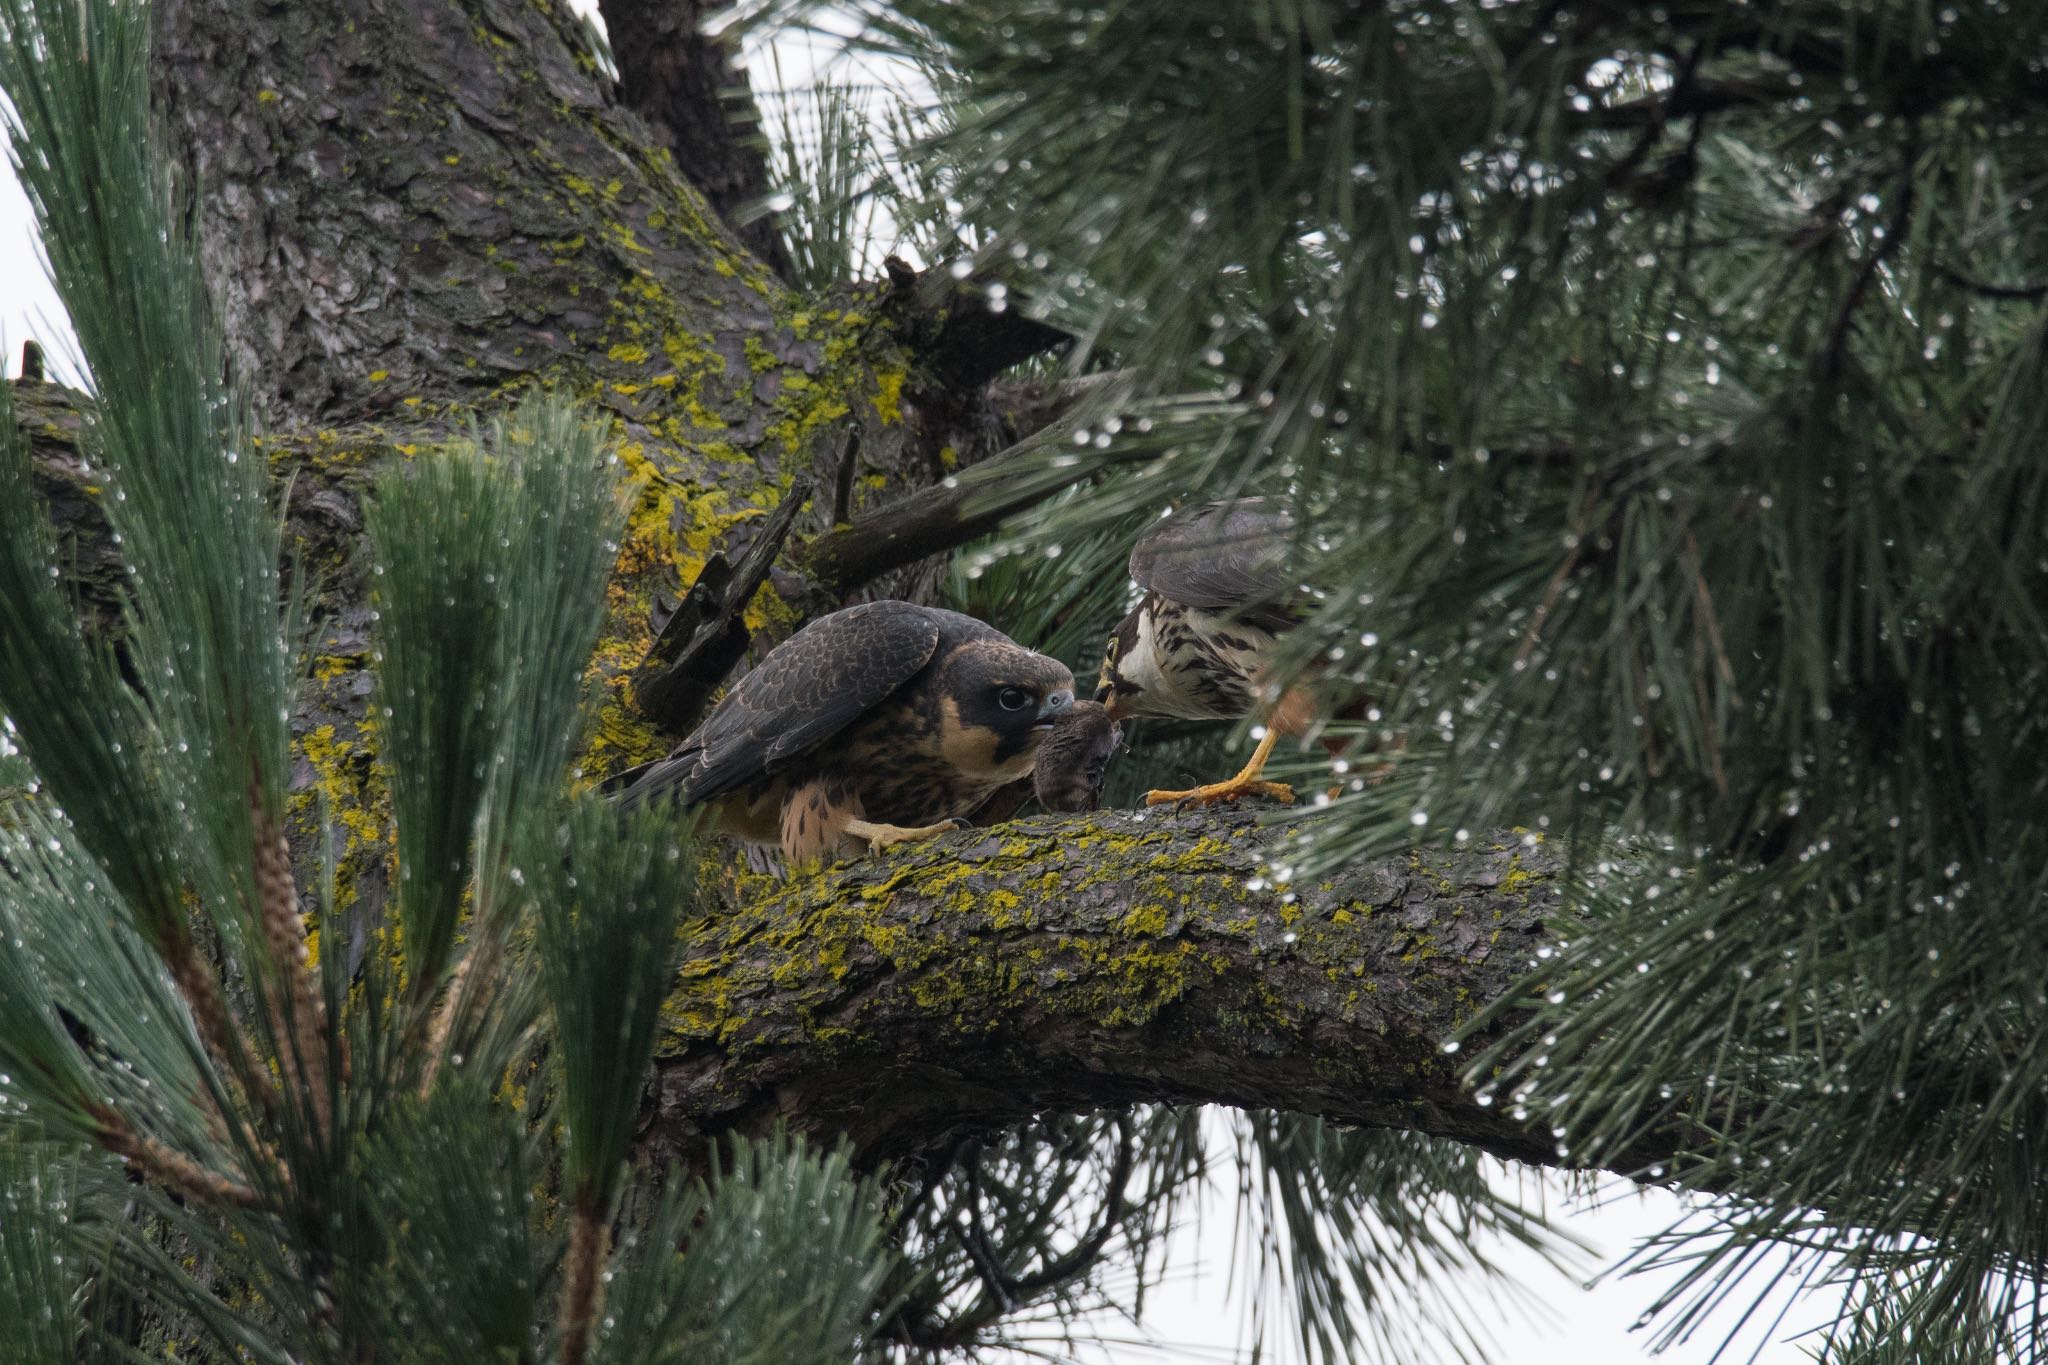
1013, 699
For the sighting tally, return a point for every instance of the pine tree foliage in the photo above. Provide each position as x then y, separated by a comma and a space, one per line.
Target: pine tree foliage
421, 1157
1014, 1242
1380, 1245
1658, 390
835, 192
787, 1266
475, 680
51, 1204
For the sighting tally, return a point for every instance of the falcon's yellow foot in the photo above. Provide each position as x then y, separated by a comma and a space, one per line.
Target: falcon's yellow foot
1231, 790
1246, 783
880, 837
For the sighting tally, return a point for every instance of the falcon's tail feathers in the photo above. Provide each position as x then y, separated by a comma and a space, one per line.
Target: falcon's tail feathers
660, 779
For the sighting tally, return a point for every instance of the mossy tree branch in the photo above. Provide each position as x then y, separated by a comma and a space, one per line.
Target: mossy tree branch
1066, 964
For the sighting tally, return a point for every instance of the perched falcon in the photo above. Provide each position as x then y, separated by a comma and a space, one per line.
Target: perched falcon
878, 724
1200, 641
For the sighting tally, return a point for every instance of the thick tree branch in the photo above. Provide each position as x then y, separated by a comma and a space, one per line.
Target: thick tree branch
701, 104
943, 517
1072, 963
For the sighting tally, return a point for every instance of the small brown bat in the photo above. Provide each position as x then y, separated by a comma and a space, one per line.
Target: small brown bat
1068, 773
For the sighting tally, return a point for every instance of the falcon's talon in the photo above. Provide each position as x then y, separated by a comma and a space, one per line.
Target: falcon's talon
1232, 790
1246, 783
880, 836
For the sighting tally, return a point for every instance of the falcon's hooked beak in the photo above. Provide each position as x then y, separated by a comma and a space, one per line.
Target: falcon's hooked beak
1055, 703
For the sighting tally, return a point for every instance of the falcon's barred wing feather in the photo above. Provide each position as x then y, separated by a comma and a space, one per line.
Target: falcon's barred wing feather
1224, 557
808, 689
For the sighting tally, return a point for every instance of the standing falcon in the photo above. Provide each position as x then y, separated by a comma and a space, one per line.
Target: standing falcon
1199, 643
875, 725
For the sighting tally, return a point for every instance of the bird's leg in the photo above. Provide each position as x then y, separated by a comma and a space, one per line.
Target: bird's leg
1246, 783
880, 837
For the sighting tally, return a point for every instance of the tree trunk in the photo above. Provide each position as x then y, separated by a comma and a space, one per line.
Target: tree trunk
408, 211
687, 85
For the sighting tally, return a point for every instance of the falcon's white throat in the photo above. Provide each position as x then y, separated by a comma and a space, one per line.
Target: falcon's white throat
1139, 663
1171, 680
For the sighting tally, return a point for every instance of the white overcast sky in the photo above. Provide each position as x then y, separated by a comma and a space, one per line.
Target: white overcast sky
1195, 1317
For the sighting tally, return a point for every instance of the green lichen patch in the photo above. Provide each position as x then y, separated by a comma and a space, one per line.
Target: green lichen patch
1095, 926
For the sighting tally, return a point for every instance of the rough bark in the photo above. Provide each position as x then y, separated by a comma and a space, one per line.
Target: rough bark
441, 195
1066, 964
408, 211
